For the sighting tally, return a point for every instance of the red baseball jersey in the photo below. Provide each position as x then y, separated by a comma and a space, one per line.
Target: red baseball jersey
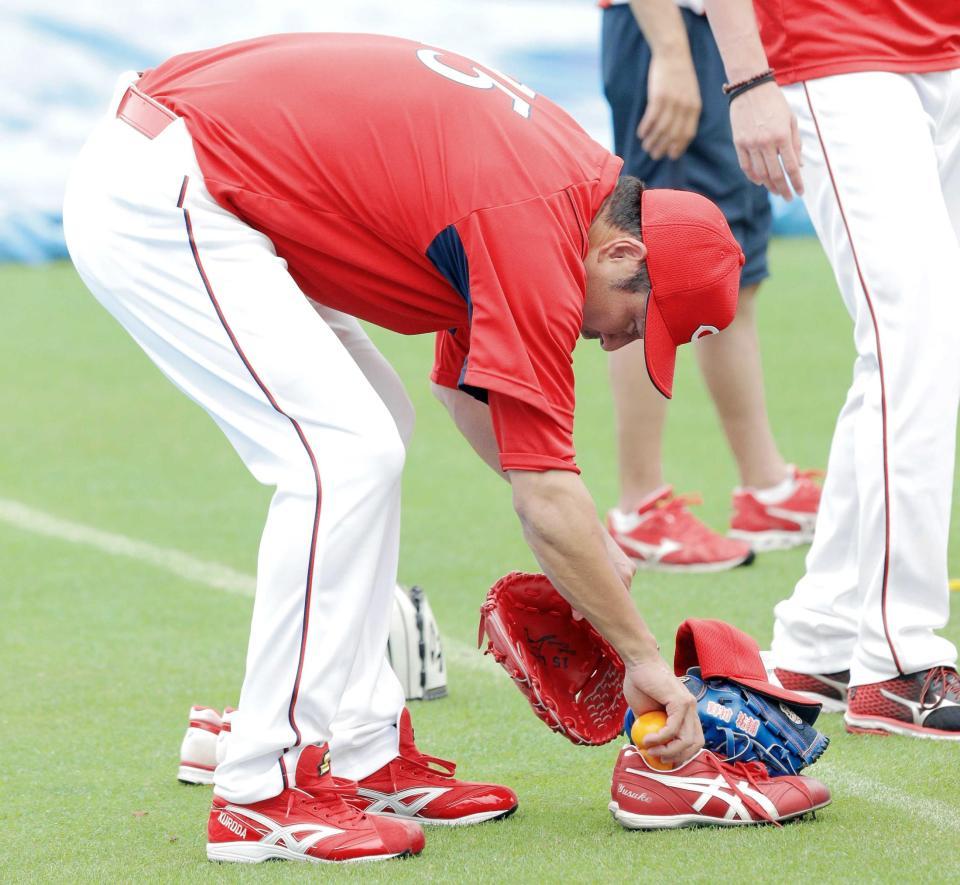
416, 189
806, 39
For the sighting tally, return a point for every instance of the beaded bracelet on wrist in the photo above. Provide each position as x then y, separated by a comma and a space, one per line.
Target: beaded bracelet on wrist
732, 90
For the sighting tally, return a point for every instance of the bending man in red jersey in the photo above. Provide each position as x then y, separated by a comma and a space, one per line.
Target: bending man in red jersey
237, 210
871, 91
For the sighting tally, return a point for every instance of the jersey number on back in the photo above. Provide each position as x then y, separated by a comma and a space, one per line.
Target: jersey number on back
517, 92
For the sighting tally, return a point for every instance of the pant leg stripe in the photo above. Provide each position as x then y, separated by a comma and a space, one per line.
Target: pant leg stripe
883, 389
291, 710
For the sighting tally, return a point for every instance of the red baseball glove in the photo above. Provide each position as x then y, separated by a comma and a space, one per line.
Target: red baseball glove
569, 673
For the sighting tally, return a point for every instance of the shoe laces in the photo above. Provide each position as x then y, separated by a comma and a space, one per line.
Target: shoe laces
432, 764
753, 773
673, 509
946, 679
330, 800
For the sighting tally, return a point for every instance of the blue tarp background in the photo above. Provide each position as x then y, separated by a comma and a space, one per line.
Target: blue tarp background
59, 62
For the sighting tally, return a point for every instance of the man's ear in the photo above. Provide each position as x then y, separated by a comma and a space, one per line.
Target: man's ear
623, 248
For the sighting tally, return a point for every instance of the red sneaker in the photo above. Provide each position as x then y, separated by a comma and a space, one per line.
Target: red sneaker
778, 526
923, 705
310, 822
198, 749
669, 538
706, 791
827, 689
422, 788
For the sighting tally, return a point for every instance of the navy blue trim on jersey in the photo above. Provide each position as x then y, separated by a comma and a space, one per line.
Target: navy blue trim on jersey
448, 256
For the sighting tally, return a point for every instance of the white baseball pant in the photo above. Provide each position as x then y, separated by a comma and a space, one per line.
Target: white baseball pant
882, 186
310, 406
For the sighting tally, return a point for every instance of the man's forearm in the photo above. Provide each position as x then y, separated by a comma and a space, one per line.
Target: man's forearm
662, 25
734, 26
561, 527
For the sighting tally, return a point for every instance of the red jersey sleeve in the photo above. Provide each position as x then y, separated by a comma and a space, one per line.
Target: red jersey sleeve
449, 356
520, 269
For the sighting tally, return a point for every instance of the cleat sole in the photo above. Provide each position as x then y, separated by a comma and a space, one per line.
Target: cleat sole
768, 542
483, 817
631, 821
195, 774
257, 852
881, 725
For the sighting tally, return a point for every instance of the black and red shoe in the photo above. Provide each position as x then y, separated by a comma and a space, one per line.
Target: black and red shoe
827, 689
707, 791
309, 822
423, 788
922, 705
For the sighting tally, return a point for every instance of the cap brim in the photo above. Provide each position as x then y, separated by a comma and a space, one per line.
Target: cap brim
805, 708
659, 351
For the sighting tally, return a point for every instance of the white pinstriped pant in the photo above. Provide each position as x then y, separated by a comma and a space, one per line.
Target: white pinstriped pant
310, 406
882, 186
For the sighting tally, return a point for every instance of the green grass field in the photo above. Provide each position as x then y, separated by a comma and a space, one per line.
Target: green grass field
101, 654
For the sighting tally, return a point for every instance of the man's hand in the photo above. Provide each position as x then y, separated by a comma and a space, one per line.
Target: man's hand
651, 685
765, 132
673, 105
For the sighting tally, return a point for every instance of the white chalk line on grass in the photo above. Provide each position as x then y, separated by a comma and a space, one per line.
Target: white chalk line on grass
221, 577
844, 782
176, 562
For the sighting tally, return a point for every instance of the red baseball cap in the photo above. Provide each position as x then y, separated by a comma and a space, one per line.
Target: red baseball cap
694, 265
720, 649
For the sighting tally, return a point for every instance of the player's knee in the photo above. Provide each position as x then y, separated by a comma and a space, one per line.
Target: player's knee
379, 457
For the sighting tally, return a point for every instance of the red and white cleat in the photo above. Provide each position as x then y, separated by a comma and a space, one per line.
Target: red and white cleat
422, 788
827, 689
309, 822
921, 705
198, 750
787, 523
706, 791
663, 535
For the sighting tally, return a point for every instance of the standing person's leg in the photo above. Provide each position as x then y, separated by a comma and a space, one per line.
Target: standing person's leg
653, 526
873, 188
776, 506
732, 370
364, 731
641, 412
373, 740
215, 308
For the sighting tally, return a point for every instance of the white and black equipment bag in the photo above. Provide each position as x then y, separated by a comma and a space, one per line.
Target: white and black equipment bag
414, 649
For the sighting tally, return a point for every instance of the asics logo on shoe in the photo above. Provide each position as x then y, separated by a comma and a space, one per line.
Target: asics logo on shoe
232, 824
714, 788
840, 687
917, 710
640, 797
272, 834
397, 802
806, 521
323, 767
652, 552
